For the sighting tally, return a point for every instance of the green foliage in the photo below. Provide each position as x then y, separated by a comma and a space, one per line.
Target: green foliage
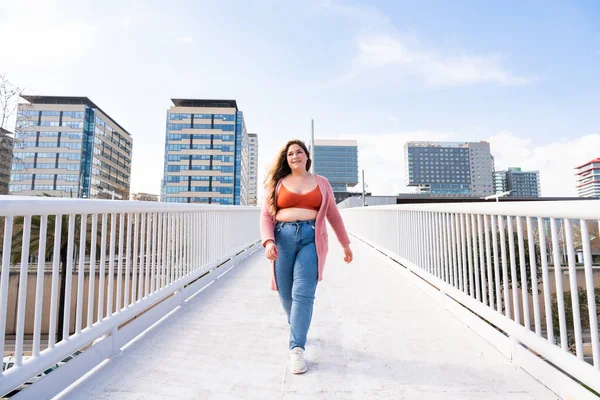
583, 312
491, 280
528, 267
35, 230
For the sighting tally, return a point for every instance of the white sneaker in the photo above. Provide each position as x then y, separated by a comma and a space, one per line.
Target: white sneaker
297, 363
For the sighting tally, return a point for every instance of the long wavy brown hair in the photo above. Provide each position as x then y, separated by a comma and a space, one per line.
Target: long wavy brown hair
281, 169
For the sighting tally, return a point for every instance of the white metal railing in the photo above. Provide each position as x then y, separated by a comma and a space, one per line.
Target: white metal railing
506, 263
132, 256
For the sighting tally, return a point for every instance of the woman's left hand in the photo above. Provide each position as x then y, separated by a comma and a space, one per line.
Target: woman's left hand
348, 254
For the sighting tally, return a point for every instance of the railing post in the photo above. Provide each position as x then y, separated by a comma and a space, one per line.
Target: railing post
170, 251
488, 260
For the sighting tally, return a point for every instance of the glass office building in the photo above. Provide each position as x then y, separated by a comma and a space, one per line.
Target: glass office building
521, 184
451, 169
203, 153
6, 154
252, 169
68, 146
337, 160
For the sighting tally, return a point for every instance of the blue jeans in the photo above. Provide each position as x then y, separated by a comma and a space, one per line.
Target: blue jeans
296, 274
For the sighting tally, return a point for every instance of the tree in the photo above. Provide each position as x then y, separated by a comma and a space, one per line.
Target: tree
538, 262
34, 243
490, 280
9, 96
583, 312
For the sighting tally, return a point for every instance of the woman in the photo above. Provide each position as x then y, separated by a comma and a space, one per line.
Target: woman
294, 236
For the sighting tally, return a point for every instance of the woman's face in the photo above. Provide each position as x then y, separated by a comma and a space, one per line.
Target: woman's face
296, 158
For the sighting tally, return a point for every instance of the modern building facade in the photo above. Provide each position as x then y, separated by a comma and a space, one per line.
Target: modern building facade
500, 184
245, 170
588, 179
481, 163
448, 168
6, 154
336, 160
144, 197
521, 184
253, 169
249, 169
69, 147
203, 153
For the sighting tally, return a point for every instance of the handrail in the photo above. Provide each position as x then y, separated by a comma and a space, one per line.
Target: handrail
30, 205
494, 258
581, 209
131, 256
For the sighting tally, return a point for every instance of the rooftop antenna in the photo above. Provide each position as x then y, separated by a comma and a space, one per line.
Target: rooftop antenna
364, 192
312, 144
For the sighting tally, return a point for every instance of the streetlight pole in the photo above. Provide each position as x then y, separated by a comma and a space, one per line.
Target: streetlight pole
312, 145
113, 194
364, 193
497, 196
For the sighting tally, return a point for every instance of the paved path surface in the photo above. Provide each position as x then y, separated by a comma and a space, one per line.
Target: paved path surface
374, 336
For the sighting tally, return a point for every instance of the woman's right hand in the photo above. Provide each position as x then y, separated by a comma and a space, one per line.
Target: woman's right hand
271, 250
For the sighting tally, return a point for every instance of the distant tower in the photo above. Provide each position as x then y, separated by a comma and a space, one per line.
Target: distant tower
253, 168
68, 147
450, 168
203, 152
588, 179
522, 184
337, 160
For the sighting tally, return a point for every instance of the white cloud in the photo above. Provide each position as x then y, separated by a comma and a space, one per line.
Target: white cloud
403, 59
127, 22
384, 54
555, 161
185, 39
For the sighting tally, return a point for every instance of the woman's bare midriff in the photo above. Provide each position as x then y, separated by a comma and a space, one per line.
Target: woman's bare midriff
295, 214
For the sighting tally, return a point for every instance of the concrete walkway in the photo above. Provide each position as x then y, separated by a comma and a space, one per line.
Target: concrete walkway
373, 336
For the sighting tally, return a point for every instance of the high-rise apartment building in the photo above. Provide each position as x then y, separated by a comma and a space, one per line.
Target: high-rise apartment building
68, 146
6, 152
336, 160
482, 168
447, 168
588, 179
500, 184
203, 153
521, 184
253, 169
245, 171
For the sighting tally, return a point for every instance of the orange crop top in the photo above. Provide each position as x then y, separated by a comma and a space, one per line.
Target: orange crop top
310, 200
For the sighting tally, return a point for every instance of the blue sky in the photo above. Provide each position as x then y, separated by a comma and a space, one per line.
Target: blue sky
521, 74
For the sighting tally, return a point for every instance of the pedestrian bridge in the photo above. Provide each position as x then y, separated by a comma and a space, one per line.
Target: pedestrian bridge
431, 307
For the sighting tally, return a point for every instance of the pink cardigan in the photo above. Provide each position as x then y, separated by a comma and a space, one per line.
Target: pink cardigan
328, 209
